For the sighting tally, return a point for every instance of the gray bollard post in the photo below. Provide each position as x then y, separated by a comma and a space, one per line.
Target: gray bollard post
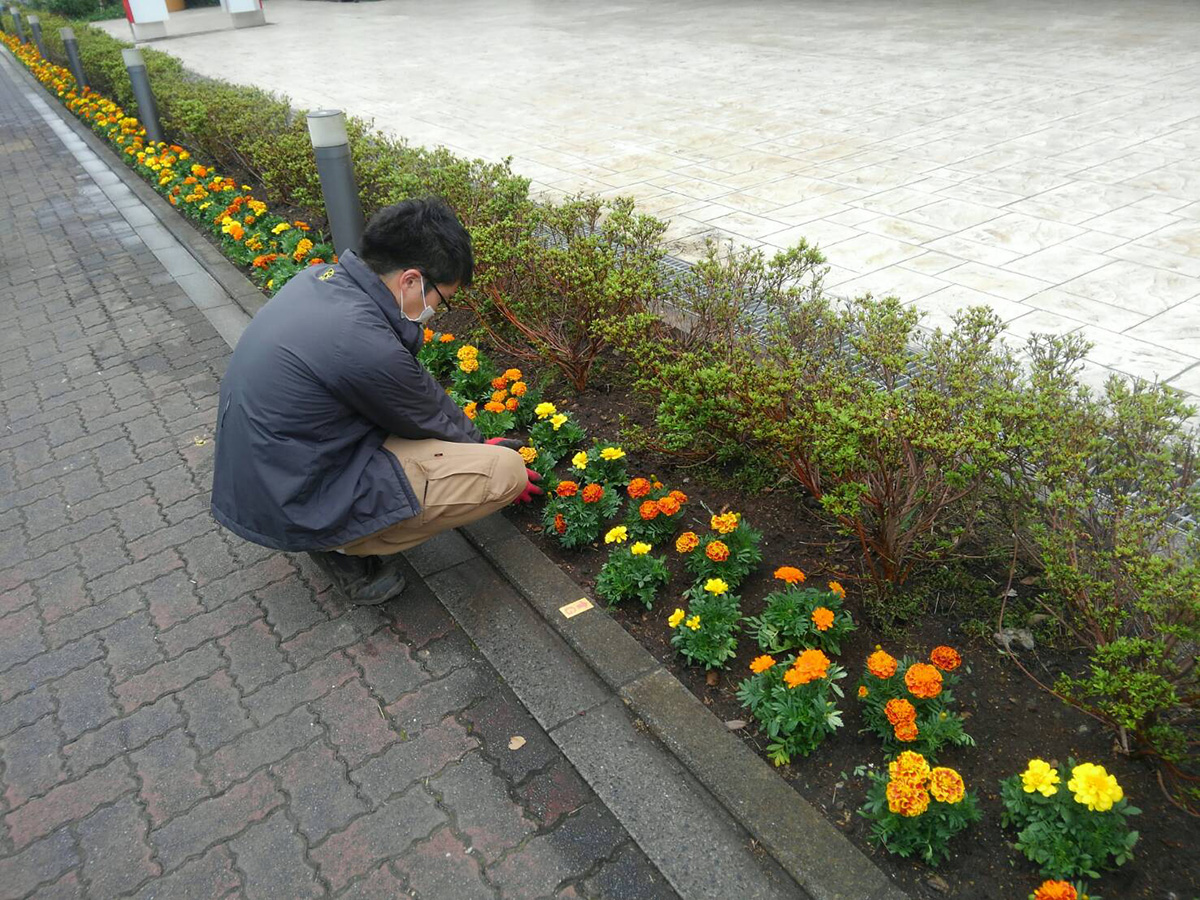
147, 108
331, 146
3, 30
74, 60
35, 25
16, 14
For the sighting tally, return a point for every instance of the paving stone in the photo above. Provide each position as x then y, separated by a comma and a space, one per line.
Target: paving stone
25, 709
631, 876
557, 792
290, 691
388, 667
38, 863
119, 736
262, 746
207, 626
484, 814
321, 797
381, 884
214, 715
271, 856
32, 761
169, 775
420, 757
254, 656
116, 857
433, 701
209, 877
444, 867
289, 607
496, 720
48, 666
67, 802
130, 646
84, 700
357, 725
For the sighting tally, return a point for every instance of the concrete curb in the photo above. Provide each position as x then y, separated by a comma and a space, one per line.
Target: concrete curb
819, 857
690, 809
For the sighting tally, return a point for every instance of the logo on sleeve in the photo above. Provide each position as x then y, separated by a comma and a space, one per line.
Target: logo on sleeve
327, 274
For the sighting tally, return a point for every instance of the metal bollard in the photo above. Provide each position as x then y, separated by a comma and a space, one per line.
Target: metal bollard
3, 30
327, 129
74, 61
35, 25
16, 14
147, 108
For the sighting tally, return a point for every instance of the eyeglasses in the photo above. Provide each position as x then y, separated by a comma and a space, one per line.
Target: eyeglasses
433, 285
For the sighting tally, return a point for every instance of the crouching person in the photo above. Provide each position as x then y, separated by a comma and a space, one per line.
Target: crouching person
332, 438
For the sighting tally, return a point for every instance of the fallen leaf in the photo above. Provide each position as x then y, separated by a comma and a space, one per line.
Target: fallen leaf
711, 679
516, 742
735, 724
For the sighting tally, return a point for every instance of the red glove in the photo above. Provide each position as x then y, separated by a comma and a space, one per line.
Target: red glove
510, 443
531, 489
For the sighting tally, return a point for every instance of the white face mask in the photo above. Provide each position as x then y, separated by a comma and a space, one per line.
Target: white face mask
427, 311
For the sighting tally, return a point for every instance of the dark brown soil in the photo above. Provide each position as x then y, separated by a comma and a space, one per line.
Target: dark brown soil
1010, 718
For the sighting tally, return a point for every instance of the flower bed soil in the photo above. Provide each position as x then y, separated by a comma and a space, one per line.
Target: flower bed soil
1010, 718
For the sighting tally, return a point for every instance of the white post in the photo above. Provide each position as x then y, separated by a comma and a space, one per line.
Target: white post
245, 13
147, 18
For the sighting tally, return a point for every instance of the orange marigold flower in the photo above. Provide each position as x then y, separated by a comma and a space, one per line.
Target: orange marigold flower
881, 664
945, 658
261, 262
923, 680
790, 574
519, 388
725, 523
469, 409
493, 407
316, 261
761, 663
498, 383
648, 510
638, 488
823, 618
1055, 890
946, 785
862, 691
836, 588
809, 666
679, 497
687, 542
668, 505
592, 493
512, 374
428, 335
900, 710
446, 339
909, 765
560, 524
499, 396
717, 551
906, 732
907, 798
567, 489
512, 404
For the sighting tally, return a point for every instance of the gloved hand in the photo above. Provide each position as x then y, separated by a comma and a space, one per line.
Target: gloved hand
510, 443
531, 489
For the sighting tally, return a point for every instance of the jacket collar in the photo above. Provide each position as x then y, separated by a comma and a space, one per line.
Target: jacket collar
410, 333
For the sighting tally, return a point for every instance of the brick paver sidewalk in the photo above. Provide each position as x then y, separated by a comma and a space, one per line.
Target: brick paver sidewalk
186, 715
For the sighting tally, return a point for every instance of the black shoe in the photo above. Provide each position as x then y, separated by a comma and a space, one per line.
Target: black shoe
363, 580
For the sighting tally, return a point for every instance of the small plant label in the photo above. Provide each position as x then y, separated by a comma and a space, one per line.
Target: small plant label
583, 604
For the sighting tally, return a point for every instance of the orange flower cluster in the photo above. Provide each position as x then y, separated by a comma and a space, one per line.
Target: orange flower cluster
493, 407
946, 785
560, 524
912, 784
717, 551
567, 489
648, 510
836, 588
823, 617
881, 664
687, 542
809, 666
1055, 890
923, 680
790, 574
639, 488
725, 523
761, 663
670, 504
945, 658
903, 716
592, 493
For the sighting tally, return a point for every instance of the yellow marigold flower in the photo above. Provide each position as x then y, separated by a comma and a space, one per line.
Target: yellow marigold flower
693, 623
519, 388
1094, 787
580, 460
725, 523
881, 664
467, 351
945, 658
1040, 776
512, 374
529, 454
545, 410
761, 663
469, 365
302, 249
923, 680
909, 765
946, 785
281, 228
558, 421
676, 617
492, 406
836, 588
1055, 890
717, 551
641, 548
822, 618
790, 574
470, 409
686, 542
716, 586
617, 535
611, 453
862, 691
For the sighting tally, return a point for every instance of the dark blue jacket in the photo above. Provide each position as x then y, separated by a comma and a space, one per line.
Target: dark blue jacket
324, 373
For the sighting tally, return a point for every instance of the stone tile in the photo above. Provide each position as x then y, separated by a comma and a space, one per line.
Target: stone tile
891, 281
1135, 287
1038, 321
1134, 357
1136, 251
1182, 238
940, 307
1130, 222
1176, 329
972, 251
1085, 310
902, 229
870, 252
819, 233
952, 215
931, 263
1021, 234
1058, 264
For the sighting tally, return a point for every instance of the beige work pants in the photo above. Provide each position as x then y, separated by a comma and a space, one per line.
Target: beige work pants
456, 483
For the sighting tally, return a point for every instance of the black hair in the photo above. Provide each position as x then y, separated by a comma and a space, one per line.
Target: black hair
419, 234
